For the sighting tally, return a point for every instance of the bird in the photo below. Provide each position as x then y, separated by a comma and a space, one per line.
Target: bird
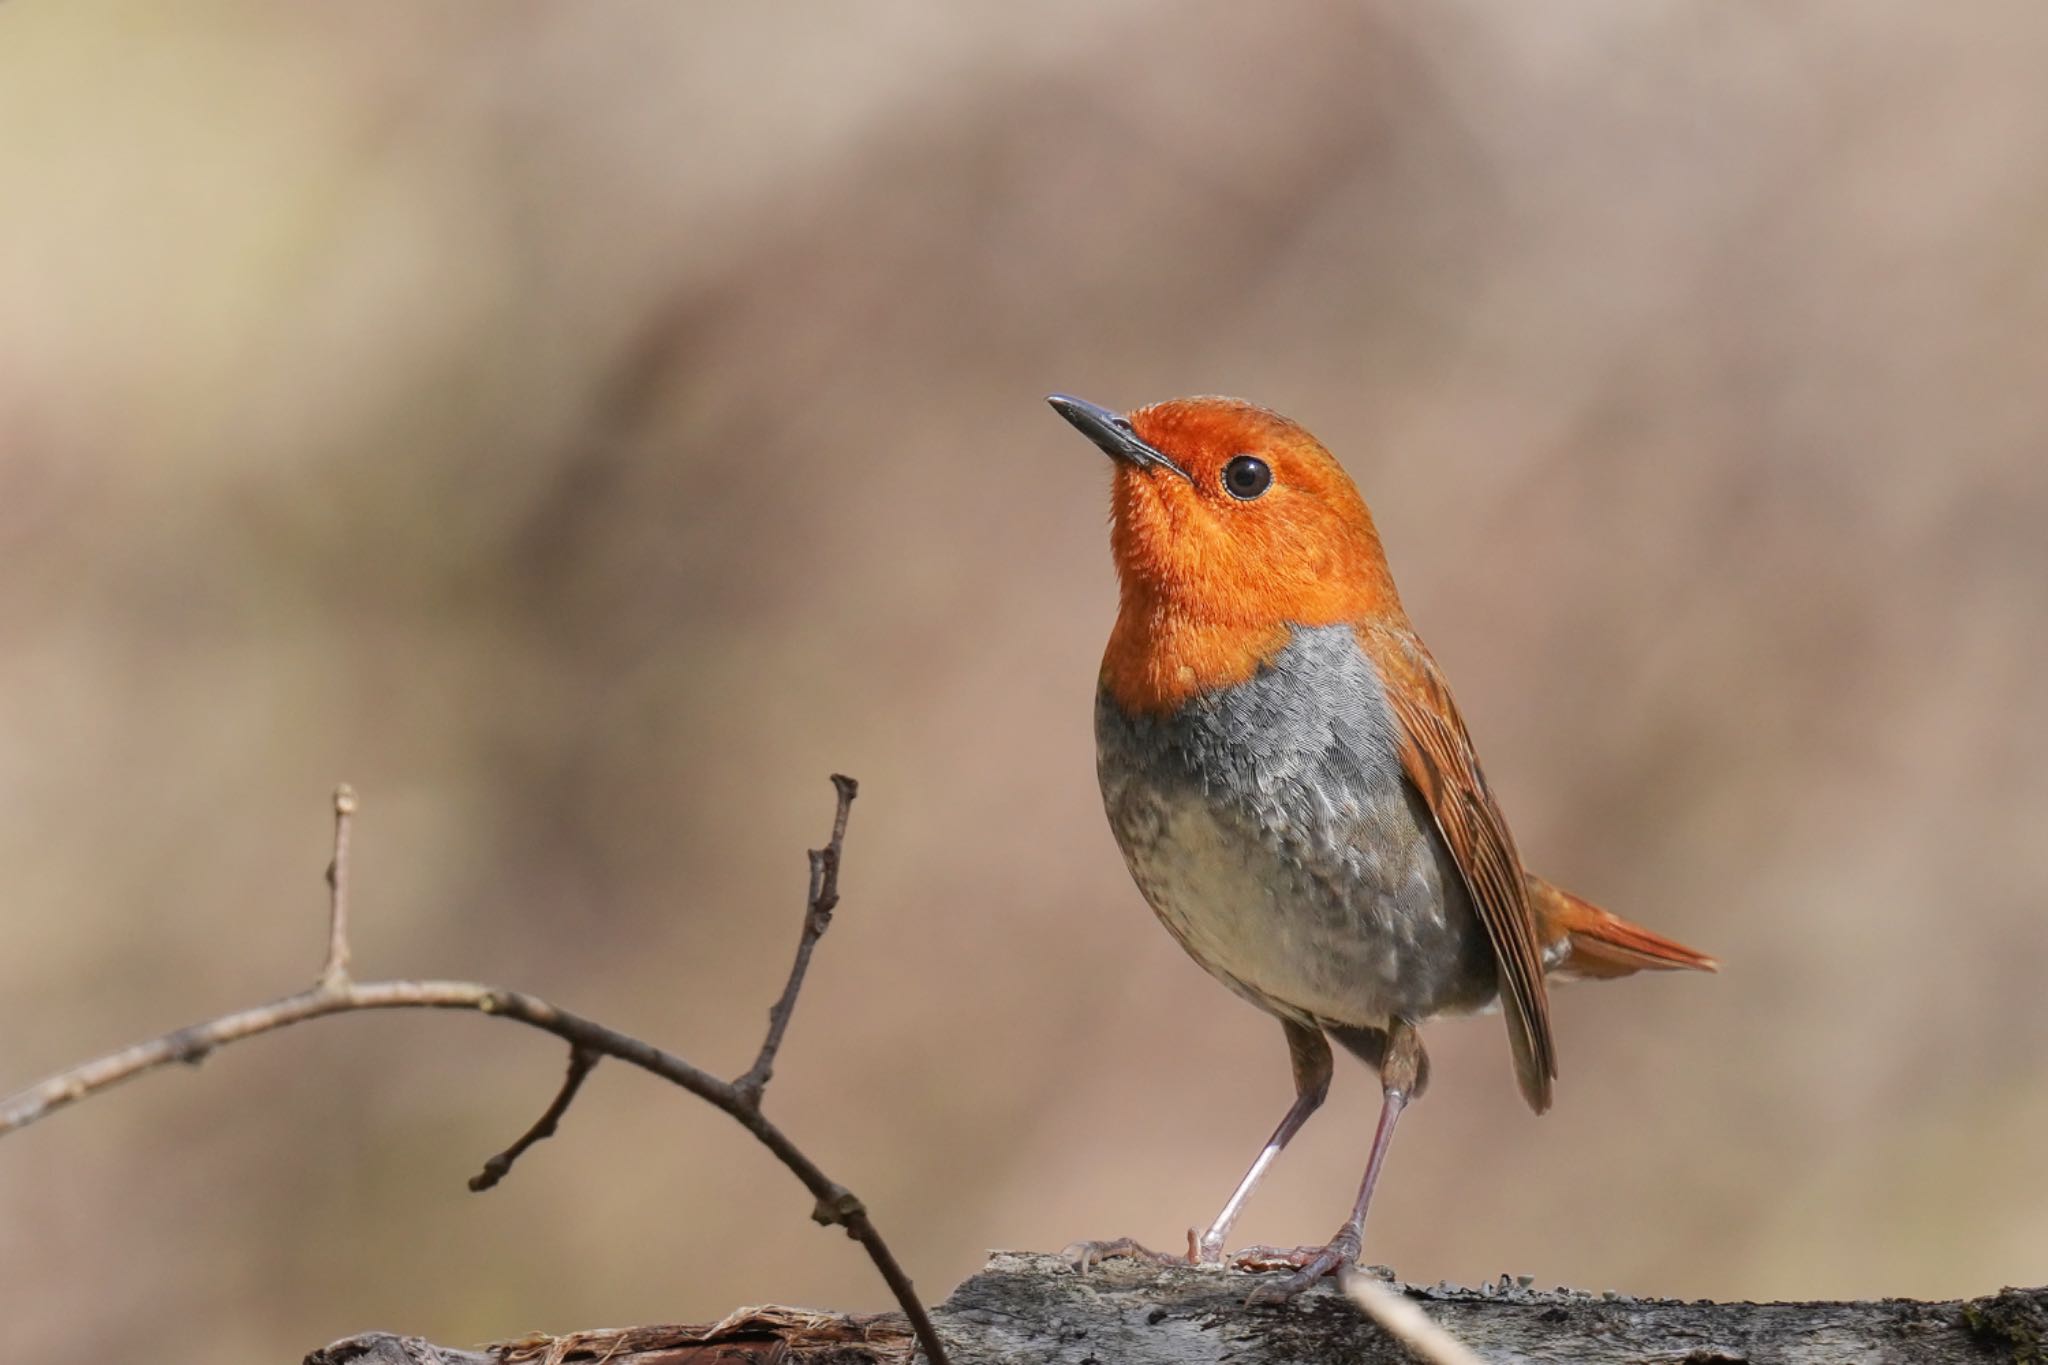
1296, 794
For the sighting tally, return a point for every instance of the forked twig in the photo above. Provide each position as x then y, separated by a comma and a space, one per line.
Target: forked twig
337, 993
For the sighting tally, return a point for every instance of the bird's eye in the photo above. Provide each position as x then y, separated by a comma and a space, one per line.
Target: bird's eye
1246, 476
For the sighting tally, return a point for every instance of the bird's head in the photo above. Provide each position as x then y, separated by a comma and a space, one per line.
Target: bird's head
1229, 514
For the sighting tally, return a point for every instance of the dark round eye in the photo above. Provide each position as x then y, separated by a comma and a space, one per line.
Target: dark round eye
1246, 476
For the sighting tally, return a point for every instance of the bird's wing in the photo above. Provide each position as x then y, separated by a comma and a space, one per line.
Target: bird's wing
1436, 755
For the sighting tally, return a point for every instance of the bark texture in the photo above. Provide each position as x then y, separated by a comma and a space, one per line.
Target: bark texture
1026, 1309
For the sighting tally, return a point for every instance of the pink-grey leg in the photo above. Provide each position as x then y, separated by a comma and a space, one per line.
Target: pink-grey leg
1403, 1069
1311, 1058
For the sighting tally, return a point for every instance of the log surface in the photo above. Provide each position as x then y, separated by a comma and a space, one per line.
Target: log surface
1029, 1309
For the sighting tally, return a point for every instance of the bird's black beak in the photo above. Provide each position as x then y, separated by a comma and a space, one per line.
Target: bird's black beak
1114, 434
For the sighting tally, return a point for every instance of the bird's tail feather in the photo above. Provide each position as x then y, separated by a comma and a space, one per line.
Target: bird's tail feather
1600, 944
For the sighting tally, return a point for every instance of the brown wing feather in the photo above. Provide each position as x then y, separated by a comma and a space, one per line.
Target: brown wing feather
1436, 755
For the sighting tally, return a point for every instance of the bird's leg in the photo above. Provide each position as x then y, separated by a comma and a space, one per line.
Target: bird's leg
1311, 1058
1402, 1069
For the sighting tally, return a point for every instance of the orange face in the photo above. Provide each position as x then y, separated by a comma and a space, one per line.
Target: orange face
1229, 513
1231, 524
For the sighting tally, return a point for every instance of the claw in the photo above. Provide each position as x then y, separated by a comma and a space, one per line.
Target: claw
1259, 1257
1313, 1262
1083, 1255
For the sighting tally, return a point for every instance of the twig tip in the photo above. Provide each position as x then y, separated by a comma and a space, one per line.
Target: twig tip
583, 1059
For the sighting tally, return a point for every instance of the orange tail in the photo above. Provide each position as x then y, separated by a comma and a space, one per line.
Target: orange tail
1601, 944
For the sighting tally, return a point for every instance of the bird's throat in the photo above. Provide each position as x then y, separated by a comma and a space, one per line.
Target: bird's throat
1158, 659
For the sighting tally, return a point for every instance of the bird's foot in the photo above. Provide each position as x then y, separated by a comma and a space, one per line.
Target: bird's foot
1082, 1255
1308, 1263
1260, 1258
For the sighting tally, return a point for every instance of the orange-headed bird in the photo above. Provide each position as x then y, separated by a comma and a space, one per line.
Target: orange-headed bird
1294, 790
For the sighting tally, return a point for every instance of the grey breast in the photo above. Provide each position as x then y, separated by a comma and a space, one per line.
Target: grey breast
1270, 828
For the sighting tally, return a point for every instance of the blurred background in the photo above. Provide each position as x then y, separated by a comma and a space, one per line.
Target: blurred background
585, 427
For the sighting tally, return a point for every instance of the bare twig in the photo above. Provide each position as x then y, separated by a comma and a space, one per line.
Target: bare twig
334, 974
581, 1062
1406, 1323
818, 906
337, 993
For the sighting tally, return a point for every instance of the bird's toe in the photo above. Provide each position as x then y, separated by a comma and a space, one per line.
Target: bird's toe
1309, 1264
1082, 1256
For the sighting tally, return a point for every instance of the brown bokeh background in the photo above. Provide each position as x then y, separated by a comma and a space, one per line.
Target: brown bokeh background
585, 427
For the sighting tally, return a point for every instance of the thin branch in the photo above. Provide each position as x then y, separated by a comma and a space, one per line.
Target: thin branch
818, 906
338, 994
334, 974
46, 1097
582, 1061
1424, 1337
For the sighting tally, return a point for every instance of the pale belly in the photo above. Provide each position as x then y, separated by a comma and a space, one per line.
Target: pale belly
1270, 829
